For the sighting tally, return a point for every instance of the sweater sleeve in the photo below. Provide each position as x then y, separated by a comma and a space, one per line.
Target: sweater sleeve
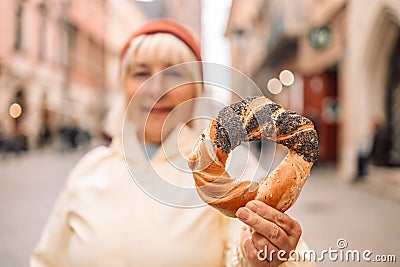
232, 229
52, 249
53, 246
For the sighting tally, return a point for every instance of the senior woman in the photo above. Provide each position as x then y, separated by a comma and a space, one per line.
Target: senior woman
103, 218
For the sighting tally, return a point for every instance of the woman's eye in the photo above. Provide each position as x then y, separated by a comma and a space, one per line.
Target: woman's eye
173, 73
140, 74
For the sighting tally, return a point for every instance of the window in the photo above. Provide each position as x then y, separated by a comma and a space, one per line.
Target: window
42, 30
18, 25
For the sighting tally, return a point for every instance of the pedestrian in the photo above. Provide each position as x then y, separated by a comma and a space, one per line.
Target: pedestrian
103, 218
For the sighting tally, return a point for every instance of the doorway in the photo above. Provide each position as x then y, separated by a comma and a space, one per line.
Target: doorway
320, 102
393, 105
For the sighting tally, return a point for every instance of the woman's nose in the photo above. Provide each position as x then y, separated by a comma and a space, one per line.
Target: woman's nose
156, 87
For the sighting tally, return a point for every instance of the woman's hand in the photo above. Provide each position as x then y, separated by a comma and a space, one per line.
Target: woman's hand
271, 237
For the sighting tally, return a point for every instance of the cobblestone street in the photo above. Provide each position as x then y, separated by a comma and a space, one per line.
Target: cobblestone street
328, 209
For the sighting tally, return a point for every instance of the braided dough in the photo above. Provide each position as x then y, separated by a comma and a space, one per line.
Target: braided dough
248, 120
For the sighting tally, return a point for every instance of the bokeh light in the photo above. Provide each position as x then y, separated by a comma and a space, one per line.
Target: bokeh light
274, 86
286, 77
15, 110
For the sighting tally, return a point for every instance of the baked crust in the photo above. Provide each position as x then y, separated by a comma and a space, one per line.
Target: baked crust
244, 121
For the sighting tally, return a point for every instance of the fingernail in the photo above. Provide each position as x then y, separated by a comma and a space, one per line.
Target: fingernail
252, 206
242, 214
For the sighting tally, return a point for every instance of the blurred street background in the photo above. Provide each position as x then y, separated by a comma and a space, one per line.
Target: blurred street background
336, 62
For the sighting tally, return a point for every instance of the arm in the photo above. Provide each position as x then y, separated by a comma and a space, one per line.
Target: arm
52, 249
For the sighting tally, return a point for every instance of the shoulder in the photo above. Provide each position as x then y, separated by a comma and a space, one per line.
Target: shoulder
96, 170
92, 160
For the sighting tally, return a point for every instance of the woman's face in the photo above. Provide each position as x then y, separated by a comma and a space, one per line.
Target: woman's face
157, 97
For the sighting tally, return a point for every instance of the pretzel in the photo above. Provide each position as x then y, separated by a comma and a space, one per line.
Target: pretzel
244, 121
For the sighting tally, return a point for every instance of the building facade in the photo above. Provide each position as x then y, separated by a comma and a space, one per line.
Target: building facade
31, 71
52, 65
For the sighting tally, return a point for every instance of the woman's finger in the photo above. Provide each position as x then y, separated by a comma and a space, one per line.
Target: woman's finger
284, 221
271, 231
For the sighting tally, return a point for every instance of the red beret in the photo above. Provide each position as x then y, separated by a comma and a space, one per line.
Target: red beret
165, 26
